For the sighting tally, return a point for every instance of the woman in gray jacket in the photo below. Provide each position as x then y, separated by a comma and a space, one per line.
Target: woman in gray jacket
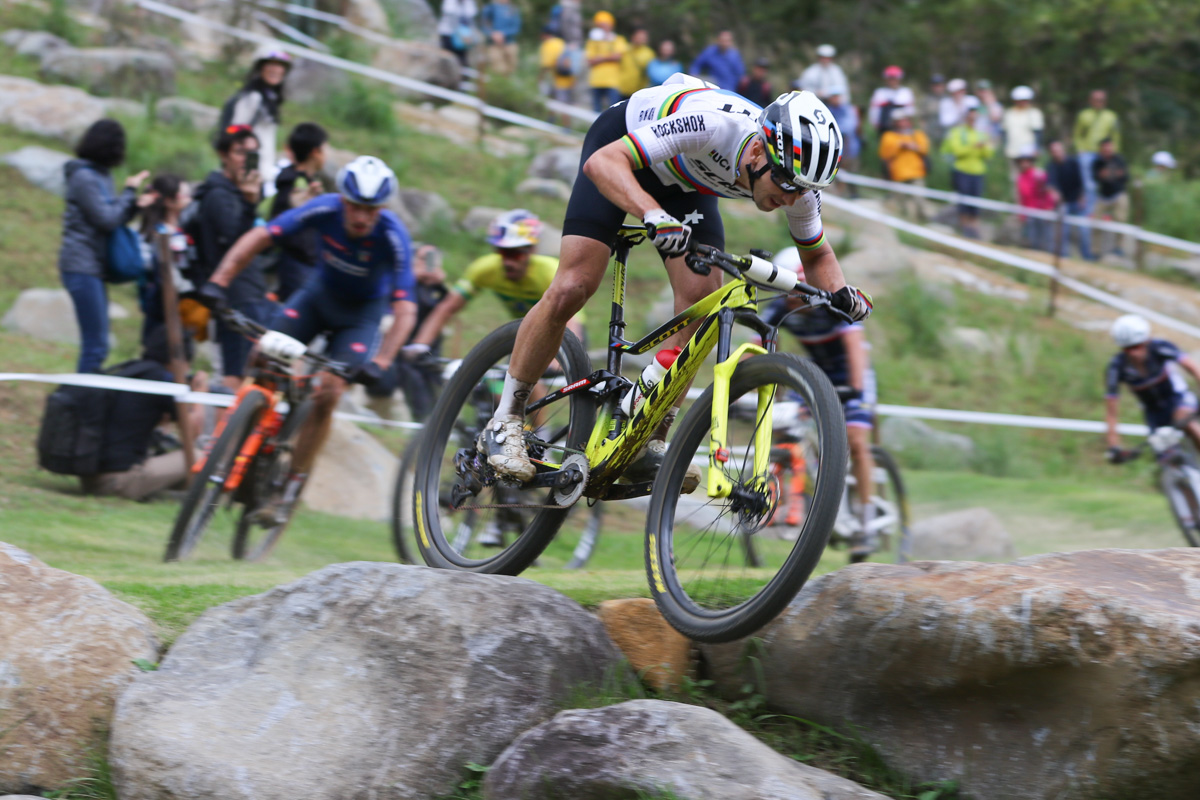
92, 213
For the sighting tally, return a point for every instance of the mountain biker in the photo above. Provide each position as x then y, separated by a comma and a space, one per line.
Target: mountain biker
1151, 367
512, 272
840, 350
364, 264
666, 155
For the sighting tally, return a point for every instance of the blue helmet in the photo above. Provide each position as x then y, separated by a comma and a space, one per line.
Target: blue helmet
367, 181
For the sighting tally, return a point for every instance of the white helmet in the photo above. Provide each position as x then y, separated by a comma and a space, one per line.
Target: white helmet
789, 258
1129, 330
516, 228
1020, 93
802, 140
366, 181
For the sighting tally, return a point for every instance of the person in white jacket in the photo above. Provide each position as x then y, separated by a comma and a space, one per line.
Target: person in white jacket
825, 75
257, 104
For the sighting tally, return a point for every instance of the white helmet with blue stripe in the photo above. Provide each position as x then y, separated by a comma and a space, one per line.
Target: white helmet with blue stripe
366, 181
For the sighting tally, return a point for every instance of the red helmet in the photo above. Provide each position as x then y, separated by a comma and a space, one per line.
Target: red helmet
893, 72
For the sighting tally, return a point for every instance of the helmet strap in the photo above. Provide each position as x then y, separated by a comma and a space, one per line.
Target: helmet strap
755, 174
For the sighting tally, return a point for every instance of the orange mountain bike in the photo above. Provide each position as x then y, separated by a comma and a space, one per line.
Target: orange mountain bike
250, 456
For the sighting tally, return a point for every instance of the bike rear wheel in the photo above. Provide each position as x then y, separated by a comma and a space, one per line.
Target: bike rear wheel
497, 527
403, 527
204, 495
1181, 485
697, 550
890, 505
259, 527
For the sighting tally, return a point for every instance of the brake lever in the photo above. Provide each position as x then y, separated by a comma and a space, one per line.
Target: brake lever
697, 264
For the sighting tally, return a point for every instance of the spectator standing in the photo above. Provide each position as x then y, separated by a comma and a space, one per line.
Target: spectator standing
756, 87
970, 149
721, 62
634, 62
850, 124
161, 218
228, 198
559, 64
456, 28
127, 468
665, 65
258, 104
888, 98
953, 106
604, 52
1034, 192
1021, 130
567, 18
991, 110
905, 151
501, 25
1111, 176
928, 109
1065, 178
1092, 126
1162, 168
93, 211
823, 76
298, 183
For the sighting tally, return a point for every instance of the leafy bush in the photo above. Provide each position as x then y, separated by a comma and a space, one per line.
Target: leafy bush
365, 106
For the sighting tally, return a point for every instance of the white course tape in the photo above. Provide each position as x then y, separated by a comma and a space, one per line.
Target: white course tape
182, 394
1122, 228
1020, 262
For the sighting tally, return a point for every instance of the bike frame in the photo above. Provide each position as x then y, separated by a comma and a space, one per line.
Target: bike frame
612, 445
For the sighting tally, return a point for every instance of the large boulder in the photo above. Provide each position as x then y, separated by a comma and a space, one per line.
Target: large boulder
366, 14
354, 476
427, 209
478, 219
37, 44
645, 748
67, 648
56, 112
926, 447
311, 82
972, 534
185, 111
41, 166
414, 19
560, 163
49, 315
360, 680
1064, 676
129, 72
546, 187
419, 60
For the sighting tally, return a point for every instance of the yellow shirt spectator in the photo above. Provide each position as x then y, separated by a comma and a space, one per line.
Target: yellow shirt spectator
1093, 126
607, 74
904, 164
548, 56
633, 69
970, 149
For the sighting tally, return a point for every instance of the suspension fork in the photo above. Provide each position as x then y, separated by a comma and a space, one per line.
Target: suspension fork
719, 484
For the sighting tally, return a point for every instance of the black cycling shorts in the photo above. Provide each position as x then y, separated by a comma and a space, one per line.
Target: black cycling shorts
591, 214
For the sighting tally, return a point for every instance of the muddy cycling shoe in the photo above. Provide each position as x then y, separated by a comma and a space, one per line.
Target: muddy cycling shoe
502, 443
647, 465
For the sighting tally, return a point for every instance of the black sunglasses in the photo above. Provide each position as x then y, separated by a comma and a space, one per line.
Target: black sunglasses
781, 179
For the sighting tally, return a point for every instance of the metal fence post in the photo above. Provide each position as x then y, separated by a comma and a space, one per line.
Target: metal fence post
1059, 237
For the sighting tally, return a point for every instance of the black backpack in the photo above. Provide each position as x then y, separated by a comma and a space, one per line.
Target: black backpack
71, 438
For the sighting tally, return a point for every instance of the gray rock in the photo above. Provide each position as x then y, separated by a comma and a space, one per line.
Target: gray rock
366, 14
354, 476
427, 209
645, 747
123, 107
185, 111
413, 19
360, 680
479, 218
41, 166
66, 651
551, 241
560, 163
311, 82
56, 112
49, 315
926, 447
1068, 676
972, 534
34, 43
460, 117
546, 187
421, 60
120, 71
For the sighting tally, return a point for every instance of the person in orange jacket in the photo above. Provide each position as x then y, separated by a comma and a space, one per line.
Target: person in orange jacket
905, 150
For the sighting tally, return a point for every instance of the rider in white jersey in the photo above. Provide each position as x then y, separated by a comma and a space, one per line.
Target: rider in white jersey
665, 156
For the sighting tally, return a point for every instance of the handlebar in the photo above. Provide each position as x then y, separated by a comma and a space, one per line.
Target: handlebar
242, 324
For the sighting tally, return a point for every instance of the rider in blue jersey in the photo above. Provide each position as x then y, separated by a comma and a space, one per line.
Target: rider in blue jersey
1153, 370
364, 266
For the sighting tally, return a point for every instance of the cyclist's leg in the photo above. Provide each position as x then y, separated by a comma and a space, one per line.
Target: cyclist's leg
1184, 410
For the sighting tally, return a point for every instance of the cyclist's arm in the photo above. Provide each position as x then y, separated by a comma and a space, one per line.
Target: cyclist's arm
856, 357
822, 268
240, 255
611, 169
404, 319
1188, 363
451, 304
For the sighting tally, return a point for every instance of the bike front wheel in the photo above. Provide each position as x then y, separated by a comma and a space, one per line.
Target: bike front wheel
1181, 485
208, 484
465, 518
698, 549
403, 527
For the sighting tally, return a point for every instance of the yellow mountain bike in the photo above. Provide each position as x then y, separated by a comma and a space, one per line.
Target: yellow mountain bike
712, 575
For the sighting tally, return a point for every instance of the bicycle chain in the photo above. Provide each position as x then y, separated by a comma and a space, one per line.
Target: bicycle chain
567, 450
